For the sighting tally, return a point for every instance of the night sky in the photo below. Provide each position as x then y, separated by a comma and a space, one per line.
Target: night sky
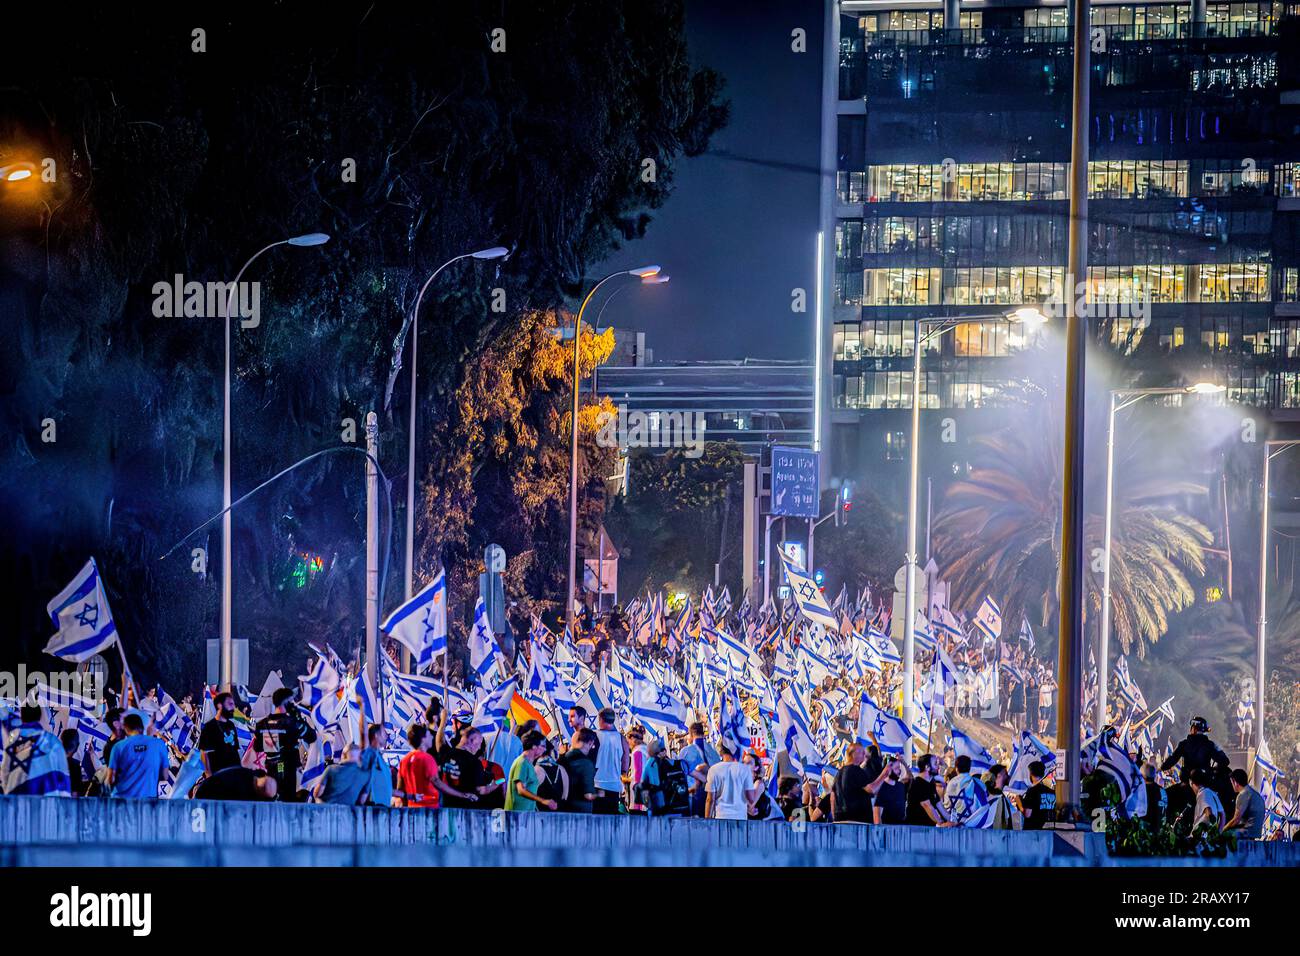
740, 229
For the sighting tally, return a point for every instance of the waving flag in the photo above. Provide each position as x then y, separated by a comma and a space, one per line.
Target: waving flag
808, 596
733, 729
484, 656
492, 709
82, 617
1114, 761
655, 705
793, 733
888, 732
965, 746
421, 623
988, 619
1028, 749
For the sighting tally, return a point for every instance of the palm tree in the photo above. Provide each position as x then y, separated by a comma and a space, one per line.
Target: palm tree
998, 534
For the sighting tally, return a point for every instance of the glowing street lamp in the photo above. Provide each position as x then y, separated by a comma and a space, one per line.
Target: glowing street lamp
643, 273
227, 593
17, 172
1025, 316
493, 252
1120, 399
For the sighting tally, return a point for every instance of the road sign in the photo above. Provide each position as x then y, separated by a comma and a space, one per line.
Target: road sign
794, 482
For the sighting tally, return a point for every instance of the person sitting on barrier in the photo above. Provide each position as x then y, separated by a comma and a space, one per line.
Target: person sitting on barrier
236, 783
344, 782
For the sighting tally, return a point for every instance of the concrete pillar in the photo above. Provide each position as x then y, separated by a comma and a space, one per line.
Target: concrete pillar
952, 14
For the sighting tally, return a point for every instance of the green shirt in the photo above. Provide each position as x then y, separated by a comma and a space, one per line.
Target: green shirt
521, 772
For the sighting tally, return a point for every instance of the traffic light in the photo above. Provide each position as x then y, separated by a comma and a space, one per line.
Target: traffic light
844, 504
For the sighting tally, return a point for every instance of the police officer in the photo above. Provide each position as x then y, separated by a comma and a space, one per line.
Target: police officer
1198, 752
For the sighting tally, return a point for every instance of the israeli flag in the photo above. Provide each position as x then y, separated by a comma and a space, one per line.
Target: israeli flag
733, 728
1028, 749
655, 705
921, 633
793, 734
81, 615
989, 619
492, 709
889, 732
811, 601
1114, 761
421, 623
965, 746
483, 651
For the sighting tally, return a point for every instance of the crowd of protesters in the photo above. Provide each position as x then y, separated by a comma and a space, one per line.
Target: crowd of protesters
591, 766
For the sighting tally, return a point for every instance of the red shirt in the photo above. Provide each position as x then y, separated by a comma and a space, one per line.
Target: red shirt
415, 776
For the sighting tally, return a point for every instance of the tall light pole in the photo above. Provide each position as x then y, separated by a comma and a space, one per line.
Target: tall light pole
495, 252
595, 326
227, 538
1271, 450
1069, 586
1026, 316
643, 273
1120, 399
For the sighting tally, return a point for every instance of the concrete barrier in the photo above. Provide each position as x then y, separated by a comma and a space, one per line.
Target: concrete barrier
37, 831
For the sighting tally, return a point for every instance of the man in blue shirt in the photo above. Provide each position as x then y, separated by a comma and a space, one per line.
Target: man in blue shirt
138, 762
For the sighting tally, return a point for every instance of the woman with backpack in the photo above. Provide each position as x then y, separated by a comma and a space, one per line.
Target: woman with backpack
665, 787
553, 779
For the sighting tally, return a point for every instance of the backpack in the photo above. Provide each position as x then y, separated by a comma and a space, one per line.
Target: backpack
672, 794
553, 782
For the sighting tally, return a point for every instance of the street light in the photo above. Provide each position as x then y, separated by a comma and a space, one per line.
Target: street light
643, 273
1026, 316
658, 279
227, 540
1262, 629
1120, 399
17, 172
493, 252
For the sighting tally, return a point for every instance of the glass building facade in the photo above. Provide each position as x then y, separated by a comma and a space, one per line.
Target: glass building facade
952, 187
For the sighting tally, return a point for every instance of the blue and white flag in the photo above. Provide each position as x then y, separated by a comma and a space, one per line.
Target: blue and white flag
655, 705
733, 728
492, 709
485, 658
421, 623
988, 619
1114, 761
187, 776
1028, 749
34, 763
81, 615
811, 601
793, 733
888, 732
965, 746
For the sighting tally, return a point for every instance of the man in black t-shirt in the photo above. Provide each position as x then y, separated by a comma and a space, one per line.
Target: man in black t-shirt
461, 769
1039, 802
850, 801
923, 795
277, 735
219, 741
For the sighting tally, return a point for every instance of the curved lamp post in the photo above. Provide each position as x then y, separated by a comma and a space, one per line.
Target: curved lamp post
227, 542
643, 273
494, 252
1120, 399
942, 324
